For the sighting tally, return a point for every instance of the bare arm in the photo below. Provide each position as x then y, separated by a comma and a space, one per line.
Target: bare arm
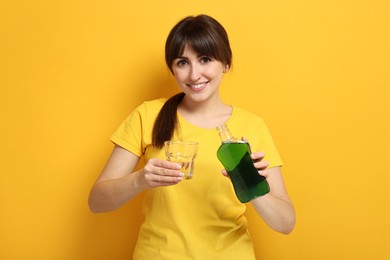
276, 208
118, 183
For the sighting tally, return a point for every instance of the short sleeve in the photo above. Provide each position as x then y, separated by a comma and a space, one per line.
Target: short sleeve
130, 133
266, 144
247, 124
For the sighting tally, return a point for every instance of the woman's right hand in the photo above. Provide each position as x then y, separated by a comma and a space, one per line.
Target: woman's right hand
157, 172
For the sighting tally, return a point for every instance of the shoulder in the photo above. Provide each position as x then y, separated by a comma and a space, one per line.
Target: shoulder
150, 107
147, 110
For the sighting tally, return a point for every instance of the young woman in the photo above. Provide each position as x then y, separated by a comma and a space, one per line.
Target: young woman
199, 218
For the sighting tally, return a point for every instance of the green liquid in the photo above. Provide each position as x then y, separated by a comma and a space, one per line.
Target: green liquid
247, 182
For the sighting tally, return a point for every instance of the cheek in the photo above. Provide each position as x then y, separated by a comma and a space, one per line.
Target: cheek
179, 74
214, 72
178, 77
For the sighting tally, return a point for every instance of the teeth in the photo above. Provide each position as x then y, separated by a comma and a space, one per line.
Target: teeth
198, 86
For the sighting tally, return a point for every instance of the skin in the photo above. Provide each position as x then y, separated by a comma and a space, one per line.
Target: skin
199, 77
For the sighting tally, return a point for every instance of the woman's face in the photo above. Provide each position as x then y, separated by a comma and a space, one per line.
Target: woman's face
198, 76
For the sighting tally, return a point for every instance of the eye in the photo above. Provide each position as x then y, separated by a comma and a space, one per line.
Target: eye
205, 59
181, 63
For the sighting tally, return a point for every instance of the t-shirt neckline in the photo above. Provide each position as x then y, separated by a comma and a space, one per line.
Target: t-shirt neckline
227, 122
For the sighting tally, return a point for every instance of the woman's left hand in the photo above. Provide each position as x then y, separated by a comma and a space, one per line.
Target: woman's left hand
258, 162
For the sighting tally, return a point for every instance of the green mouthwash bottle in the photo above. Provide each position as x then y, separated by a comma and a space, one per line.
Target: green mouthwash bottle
235, 157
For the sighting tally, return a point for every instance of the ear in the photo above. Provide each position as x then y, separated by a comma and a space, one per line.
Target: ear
226, 68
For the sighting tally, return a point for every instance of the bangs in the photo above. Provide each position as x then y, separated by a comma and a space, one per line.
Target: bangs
202, 43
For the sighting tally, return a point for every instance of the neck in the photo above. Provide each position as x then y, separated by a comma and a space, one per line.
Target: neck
205, 114
205, 107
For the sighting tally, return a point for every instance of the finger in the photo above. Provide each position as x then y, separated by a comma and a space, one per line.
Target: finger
264, 173
168, 172
167, 180
224, 173
261, 164
156, 180
166, 164
257, 156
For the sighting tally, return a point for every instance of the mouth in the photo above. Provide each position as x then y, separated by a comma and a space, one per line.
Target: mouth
198, 87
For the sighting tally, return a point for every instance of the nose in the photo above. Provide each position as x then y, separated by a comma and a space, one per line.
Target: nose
195, 72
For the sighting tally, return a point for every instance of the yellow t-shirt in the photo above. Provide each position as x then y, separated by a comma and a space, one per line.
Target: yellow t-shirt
200, 218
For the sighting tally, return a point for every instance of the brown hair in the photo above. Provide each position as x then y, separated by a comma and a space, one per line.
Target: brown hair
207, 37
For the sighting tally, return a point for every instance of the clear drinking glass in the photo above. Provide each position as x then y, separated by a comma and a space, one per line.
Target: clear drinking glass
184, 153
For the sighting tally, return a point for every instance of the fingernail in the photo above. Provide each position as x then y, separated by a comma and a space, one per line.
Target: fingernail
181, 174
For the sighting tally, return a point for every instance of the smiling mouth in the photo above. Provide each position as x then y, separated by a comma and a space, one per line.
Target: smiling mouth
198, 87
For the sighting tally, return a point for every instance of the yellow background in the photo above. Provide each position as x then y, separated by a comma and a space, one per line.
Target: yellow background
316, 71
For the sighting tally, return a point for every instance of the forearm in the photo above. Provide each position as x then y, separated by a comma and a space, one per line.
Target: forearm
111, 194
118, 184
279, 214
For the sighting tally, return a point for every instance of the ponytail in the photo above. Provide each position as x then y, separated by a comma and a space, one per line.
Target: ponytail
166, 121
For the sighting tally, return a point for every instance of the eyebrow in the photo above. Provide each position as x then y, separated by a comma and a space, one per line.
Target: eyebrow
198, 56
181, 57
